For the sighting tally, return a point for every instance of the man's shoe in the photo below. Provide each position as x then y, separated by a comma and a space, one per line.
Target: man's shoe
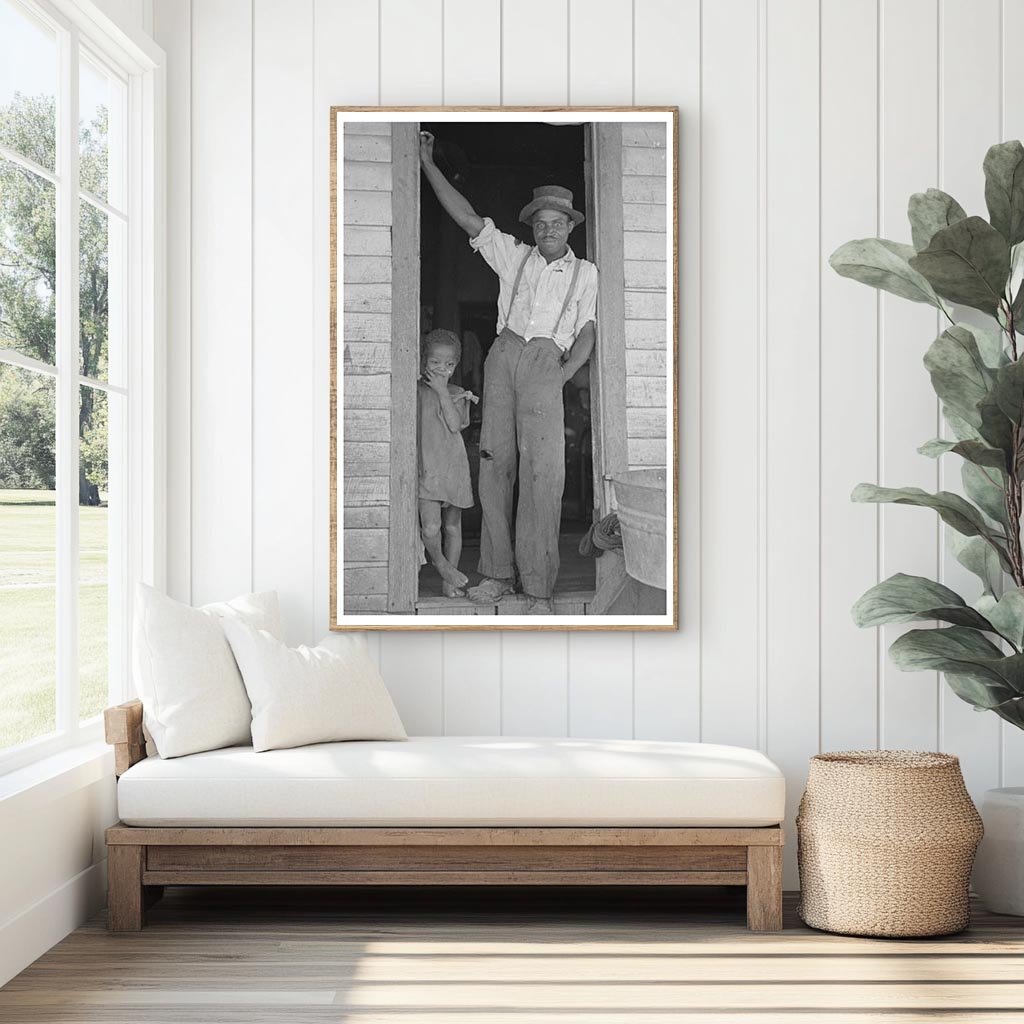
490, 591
539, 606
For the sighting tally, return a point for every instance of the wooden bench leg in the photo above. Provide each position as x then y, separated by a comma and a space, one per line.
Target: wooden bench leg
764, 888
125, 897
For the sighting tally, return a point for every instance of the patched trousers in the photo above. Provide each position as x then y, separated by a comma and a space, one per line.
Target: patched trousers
523, 421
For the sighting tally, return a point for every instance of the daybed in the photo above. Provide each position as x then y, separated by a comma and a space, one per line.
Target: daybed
444, 811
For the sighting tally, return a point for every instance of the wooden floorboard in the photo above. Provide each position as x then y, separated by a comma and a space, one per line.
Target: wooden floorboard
496, 956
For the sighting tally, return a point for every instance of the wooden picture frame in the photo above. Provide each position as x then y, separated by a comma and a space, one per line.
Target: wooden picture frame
624, 402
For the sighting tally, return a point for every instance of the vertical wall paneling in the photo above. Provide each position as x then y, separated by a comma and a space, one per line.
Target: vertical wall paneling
411, 72
471, 666
344, 50
221, 367
534, 53
534, 695
472, 52
283, 339
729, 386
600, 65
666, 666
412, 665
600, 684
411, 64
1012, 127
600, 52
849, 368
534, 668
792, 383
778, 421
968, 125
173, 30
909, 415
472, 74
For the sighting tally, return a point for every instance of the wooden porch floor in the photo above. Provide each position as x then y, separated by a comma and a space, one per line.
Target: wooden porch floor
574, 590
498, 957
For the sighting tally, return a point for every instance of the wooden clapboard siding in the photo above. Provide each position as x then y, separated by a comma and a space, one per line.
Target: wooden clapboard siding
365, 279
644, 170
366, 517
367, 391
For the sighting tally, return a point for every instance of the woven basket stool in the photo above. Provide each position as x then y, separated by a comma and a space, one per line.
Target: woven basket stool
885, 843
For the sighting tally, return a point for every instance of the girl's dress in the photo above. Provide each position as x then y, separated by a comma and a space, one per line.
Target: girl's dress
443, 465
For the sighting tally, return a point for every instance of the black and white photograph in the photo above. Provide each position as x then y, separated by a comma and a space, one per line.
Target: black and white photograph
503, 359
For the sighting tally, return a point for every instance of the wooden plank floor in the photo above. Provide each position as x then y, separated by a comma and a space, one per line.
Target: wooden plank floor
219, 956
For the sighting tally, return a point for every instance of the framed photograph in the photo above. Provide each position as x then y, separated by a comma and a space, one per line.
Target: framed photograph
504, 410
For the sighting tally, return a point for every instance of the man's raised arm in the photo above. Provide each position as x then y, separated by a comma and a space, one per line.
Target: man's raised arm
456, 205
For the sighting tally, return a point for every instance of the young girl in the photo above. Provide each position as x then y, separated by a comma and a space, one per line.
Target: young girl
444, 484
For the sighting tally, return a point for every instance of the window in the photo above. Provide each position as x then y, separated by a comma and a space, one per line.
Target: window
76, 244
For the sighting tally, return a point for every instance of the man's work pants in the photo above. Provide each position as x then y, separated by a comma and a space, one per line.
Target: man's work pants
522, 417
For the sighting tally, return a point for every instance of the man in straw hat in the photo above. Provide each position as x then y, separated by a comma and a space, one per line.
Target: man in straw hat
547, 303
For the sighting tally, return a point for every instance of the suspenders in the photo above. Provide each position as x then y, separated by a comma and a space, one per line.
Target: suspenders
568, 294
515, 287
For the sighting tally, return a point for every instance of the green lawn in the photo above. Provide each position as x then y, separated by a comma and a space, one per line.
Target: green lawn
28, 616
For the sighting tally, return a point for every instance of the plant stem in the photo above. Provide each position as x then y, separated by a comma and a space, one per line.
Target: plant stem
1012, 496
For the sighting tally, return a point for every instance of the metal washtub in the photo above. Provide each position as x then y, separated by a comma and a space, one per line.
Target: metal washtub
641, 499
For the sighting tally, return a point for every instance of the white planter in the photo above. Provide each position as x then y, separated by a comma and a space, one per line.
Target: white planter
999, 866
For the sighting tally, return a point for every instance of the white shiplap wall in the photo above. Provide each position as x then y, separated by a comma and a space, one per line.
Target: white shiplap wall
804, 123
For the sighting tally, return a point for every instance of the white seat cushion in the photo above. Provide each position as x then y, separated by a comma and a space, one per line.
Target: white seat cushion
459, 780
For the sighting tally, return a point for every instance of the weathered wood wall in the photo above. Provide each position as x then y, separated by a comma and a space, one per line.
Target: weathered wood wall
644, 169
366, 330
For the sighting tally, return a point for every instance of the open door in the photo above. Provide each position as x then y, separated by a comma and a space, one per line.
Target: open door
497, 166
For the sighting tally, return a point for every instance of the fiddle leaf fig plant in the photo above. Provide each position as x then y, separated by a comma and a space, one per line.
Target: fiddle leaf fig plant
977, 373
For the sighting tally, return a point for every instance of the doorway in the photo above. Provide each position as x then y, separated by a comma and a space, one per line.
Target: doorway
497, 166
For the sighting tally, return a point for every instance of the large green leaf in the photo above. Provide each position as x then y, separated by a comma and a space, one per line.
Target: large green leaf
967, 263
903, 598
1004, 189
1011, 711
965, 652
985, 695
996, 427
990, 345
1009, 390
985, 487
883, 264
958, 372
976, 555
1016, 309
1006, 614
1015, 287
954, 510
929, 212
962, 430
976, 452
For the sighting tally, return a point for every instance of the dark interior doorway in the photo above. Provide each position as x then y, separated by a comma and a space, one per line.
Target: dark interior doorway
497, 166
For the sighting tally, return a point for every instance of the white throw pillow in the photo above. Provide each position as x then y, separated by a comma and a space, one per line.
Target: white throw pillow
309, 694
192, 693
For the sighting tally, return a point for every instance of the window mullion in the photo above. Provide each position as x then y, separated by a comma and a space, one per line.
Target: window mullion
67, 386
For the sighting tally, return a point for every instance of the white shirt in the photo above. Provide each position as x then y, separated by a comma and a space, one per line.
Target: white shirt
542, 287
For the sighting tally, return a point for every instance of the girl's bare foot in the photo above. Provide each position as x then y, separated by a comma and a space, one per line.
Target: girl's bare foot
449, 591
452, 575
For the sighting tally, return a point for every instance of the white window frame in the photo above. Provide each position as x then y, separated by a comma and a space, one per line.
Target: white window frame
141, 64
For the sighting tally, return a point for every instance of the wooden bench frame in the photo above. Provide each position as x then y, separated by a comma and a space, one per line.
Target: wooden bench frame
142, 860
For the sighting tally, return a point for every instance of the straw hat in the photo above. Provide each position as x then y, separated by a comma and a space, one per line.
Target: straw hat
550, 197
